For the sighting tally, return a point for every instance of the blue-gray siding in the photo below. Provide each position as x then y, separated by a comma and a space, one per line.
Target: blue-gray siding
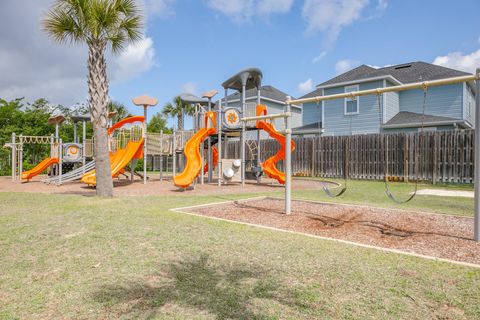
443, 101
366, 121
312, 112
392, 104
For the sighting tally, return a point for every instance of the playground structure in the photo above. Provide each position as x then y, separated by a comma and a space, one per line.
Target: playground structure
229, 122
60, 153
214, 126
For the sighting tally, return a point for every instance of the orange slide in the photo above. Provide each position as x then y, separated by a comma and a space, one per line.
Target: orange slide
269, 165
214, 159
39, 168
122, 157
118, 161
192, 153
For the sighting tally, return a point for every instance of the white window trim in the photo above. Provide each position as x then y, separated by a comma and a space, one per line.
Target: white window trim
356, 88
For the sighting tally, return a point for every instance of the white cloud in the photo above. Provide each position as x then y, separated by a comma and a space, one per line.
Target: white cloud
460, 61
345, 65
331, 16
134, 60
161, 8
33, 66
305, 87
190, 87
382, 5
274, 6
319, 57
241, 11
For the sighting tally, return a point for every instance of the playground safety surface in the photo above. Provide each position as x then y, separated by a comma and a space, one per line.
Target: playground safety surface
154, 187
435, 235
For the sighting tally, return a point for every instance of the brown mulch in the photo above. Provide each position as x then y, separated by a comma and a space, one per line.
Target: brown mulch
436, 235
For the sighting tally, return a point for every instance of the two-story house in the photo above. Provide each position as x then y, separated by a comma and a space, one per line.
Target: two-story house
447, 107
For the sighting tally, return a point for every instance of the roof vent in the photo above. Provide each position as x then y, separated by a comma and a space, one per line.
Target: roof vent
403, 66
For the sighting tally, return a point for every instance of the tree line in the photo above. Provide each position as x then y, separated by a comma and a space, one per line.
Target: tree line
31, 119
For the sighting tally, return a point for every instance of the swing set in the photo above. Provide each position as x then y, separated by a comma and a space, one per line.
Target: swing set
384, 146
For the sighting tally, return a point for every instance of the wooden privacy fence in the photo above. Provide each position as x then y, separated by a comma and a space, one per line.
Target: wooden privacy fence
436, 156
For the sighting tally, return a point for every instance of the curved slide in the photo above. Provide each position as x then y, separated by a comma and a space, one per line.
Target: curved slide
214, 159
39, 168
194, 160
269, 165
118, 161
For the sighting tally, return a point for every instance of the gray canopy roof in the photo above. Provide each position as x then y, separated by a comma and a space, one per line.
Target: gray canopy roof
80, 117
193, 99
250, 78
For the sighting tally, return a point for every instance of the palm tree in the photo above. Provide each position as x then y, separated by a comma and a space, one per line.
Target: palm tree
101, 24
178, 109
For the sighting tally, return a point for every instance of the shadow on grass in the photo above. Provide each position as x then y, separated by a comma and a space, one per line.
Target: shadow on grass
227, 292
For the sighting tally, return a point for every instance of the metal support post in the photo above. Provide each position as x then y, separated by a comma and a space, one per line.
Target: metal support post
288, 158
259, 178
145, 144
174, 160
476, 234
60, 161
14, 156
219, 143
84, 143
209, 149
161, 155
242, 137
20, 159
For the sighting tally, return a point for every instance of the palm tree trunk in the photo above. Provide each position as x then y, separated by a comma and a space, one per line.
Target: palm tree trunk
98, 100
181, 120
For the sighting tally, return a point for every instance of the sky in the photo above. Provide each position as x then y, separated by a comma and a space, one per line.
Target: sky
194, 45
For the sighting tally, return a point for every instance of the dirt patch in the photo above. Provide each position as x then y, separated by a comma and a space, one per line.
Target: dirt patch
123, 187
436, 235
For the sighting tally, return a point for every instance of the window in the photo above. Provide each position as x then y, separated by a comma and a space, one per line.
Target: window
351, 105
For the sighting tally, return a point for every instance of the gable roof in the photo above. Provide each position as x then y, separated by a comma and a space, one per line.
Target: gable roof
403, 73
268, 92
315, 127
413, 119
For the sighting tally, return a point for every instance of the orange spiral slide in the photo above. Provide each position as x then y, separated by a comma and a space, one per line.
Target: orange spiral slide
192, 153
269, 165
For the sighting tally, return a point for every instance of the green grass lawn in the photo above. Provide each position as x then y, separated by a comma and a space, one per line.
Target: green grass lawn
65, 256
